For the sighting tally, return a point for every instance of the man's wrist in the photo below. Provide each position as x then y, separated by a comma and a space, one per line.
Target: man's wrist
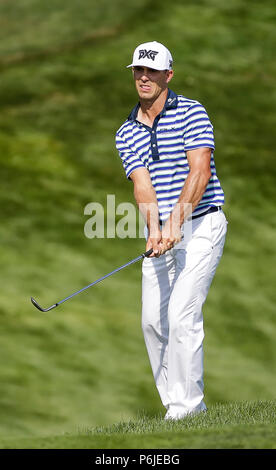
181, 212
172, 225
153, 227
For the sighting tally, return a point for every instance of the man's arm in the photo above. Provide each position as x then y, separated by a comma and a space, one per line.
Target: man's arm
146, 200
192, 192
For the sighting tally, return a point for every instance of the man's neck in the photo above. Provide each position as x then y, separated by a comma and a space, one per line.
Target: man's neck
150, 109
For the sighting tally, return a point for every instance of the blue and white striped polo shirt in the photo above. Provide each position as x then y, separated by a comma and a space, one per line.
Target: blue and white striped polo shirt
182, 125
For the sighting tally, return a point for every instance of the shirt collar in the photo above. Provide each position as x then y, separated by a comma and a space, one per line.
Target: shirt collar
171, 103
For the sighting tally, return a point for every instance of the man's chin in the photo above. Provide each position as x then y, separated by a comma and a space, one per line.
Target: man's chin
145, 96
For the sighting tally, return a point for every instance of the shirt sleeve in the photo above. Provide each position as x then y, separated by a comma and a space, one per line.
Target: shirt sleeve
131, 161
198, 128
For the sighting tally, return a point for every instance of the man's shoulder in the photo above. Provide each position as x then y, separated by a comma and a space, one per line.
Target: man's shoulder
185, 103
126, 126
128, 123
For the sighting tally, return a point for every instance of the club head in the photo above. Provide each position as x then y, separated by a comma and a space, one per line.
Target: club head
34, 302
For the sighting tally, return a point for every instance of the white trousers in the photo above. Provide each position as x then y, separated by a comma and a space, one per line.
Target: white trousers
174, 289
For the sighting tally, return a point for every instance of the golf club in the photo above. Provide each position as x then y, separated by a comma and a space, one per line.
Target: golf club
142, 256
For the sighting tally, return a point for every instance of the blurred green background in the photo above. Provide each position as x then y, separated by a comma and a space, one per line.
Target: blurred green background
64, 91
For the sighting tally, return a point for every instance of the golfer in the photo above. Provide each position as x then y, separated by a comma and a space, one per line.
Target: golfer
166, 146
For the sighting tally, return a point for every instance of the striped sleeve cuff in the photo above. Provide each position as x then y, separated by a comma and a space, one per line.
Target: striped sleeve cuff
130, 160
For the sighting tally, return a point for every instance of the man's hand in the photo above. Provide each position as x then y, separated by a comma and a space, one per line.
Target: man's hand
171, 234
154, 242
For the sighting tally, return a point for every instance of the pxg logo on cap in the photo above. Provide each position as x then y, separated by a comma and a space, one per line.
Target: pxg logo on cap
149, 54
153, 55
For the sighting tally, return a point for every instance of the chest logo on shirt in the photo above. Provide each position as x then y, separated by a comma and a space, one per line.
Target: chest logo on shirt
143, 53
167, 129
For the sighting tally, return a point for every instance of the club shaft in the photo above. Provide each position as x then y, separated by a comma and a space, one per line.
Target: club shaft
142, 256
102, 278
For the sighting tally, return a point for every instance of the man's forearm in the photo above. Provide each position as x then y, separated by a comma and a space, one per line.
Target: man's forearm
146, 201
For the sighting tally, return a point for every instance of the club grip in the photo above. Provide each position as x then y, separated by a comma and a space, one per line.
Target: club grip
147, 253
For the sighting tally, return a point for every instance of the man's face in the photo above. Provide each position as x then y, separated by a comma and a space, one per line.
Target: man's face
149, 82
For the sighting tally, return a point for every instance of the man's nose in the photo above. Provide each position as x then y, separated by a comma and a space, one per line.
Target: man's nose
144, 76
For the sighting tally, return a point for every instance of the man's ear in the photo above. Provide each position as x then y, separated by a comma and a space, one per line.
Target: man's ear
169, 75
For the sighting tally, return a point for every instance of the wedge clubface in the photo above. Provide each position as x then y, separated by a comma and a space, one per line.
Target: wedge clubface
142, 256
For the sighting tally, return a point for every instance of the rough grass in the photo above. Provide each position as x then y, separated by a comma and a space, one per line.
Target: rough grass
248, 425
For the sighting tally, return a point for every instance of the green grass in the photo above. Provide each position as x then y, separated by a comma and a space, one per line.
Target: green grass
64, 91
248, 425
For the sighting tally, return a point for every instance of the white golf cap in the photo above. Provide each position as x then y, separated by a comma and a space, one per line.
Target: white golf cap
152, 55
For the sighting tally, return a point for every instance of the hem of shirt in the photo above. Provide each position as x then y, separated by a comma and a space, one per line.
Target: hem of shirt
200, 210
